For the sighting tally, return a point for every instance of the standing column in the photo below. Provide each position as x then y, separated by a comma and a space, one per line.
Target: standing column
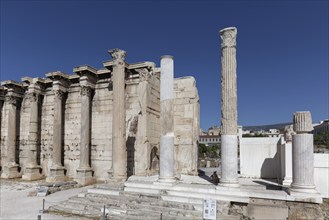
84, 172
2, 96
10, 168
31, 171
287, 153
57, 169
302, 154
119, 152
229, 139
167, 171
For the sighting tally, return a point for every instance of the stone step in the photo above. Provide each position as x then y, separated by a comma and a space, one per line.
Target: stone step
154, 200
188, 191
80, 206
74, 209
145, 205
170, 204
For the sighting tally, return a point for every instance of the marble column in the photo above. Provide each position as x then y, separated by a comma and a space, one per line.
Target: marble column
32, 170
287, 153
10, 168
84, 172
57, 170
302, 154
167, 163
229, 123
119, 151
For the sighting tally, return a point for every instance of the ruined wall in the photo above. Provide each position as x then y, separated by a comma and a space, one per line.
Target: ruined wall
142, 103
186, 125
132, 112
101, 129
147, 140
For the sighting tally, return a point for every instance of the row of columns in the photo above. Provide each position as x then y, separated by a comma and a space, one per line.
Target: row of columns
60, 88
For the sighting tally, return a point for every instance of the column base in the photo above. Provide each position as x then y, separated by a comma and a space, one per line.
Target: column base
305, 195
57, 174
296, 188
234, 184
10, 171
166, 181
85, 176
32, 173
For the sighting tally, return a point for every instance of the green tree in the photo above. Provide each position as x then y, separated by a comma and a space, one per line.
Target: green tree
322, 139
202, 149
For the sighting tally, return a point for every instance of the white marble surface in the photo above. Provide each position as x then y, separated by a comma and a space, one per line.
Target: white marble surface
302, 163
229, 155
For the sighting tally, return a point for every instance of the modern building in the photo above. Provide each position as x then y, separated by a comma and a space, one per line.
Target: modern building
322, 127
209, 140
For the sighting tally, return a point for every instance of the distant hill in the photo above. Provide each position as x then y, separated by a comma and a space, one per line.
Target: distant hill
279, 126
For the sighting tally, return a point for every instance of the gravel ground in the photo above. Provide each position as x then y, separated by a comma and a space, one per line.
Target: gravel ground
15, 202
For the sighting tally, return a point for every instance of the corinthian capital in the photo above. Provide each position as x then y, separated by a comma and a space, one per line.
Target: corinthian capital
118, 55
32, 97
12, 100
144, 74
228, 36
85, 91
59, 94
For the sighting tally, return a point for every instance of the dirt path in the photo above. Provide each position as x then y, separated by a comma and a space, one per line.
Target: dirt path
15, 202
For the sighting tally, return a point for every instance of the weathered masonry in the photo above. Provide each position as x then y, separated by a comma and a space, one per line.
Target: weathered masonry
95, 124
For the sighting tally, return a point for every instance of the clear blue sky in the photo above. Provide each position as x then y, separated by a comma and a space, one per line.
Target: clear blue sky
282, 47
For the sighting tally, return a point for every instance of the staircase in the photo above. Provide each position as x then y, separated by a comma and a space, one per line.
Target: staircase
121, 204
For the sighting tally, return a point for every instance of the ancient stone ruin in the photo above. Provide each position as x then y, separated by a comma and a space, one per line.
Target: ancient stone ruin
96, 125
134, 129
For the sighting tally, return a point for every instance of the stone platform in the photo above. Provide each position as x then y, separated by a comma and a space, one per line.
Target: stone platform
195, 187
146, 198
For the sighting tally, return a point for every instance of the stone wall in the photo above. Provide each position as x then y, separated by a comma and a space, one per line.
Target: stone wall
260, 157
142, 103
101, 135
186, 125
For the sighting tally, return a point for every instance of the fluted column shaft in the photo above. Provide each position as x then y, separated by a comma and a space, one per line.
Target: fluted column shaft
85, 128
119, 152
229, 125
167, 171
